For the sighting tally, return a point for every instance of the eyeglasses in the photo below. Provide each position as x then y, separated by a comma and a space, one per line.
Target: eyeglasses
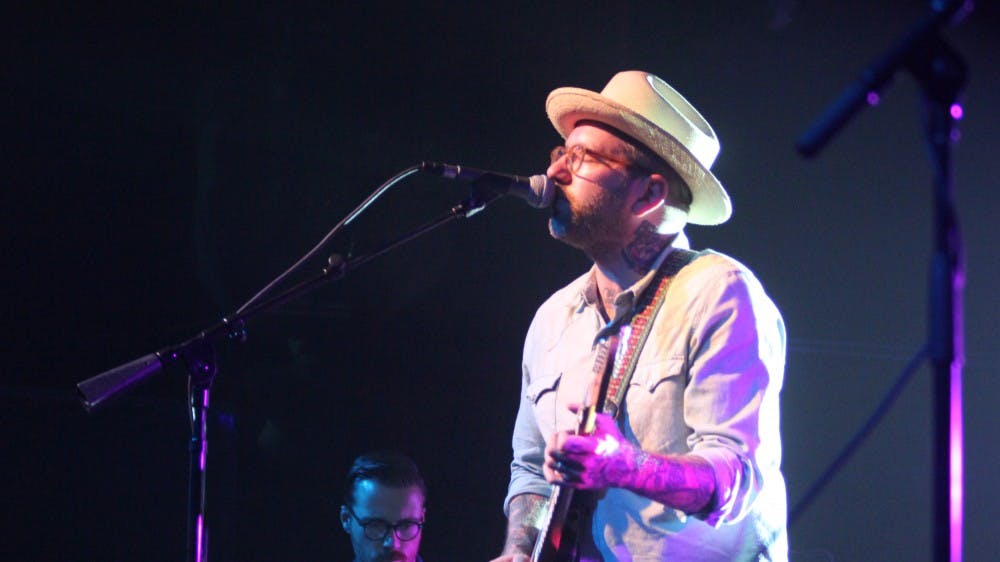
378, 529
576, 154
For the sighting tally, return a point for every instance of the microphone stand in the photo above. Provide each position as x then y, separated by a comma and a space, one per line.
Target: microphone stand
198, 357
941, 74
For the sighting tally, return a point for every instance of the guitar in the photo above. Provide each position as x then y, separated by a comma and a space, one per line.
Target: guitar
566, 533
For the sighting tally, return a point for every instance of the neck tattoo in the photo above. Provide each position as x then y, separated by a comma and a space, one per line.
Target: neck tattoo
647, 243
607, 297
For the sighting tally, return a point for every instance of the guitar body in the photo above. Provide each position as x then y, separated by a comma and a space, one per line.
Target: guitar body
568, 534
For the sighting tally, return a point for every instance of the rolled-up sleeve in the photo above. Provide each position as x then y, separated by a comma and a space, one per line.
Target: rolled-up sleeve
529, 452
736, 358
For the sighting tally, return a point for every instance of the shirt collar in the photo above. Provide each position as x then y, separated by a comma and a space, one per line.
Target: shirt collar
626, 299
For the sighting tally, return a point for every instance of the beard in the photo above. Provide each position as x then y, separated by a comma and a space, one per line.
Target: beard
595, 227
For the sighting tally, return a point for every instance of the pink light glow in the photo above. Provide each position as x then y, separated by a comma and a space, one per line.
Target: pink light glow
199, 529
956, 111
956, 479
872, 98
956, 492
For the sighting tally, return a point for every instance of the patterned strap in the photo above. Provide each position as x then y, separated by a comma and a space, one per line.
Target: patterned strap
635, 333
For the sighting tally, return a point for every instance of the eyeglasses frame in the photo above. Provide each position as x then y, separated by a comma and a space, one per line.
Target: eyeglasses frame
581, 152
389, 527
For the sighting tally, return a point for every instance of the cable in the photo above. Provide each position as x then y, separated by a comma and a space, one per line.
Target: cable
855, 442
333, 232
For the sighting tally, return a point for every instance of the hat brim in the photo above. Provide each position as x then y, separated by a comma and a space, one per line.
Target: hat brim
710, 204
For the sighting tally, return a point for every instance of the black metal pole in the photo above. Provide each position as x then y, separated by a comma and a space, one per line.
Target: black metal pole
942, 75
199, 393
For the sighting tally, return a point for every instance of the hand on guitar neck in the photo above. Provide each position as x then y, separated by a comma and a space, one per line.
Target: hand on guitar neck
572, 460
602, 459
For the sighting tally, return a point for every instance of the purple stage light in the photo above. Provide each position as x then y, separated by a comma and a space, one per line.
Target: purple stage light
956, 460
201, 528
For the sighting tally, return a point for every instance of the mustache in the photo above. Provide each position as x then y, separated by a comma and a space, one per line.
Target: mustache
392, 556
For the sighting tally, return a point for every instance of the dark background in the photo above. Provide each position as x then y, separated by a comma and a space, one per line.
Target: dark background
164, 161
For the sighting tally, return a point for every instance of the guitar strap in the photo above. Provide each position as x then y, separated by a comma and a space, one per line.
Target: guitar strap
618, 346
636, 332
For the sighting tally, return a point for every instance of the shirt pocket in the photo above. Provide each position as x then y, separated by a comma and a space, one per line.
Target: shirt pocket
655, 405
541, 386
653, 375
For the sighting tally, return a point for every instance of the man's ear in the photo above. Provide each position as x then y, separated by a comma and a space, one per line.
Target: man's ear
652, 195
345, 519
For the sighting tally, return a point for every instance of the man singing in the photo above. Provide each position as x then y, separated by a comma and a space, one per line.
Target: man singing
688, 467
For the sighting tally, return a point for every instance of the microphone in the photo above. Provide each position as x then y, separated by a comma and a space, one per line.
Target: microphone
538, 191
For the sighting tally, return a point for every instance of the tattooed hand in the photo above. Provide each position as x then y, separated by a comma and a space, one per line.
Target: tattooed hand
606, 460
601, 460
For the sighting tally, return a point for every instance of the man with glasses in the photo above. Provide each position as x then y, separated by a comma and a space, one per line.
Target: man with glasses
383, 510
689, 468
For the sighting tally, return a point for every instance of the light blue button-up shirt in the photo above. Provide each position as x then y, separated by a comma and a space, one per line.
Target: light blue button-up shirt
706, 383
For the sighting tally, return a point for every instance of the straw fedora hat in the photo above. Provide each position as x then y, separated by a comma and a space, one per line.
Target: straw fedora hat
647, 109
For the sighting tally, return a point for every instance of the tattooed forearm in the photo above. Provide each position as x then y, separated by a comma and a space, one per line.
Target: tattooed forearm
686, 483
522, 523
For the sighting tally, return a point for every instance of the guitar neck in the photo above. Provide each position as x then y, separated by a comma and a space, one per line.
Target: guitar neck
562, 535
598, 389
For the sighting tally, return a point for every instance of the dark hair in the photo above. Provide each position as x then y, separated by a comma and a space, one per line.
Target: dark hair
389, 468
